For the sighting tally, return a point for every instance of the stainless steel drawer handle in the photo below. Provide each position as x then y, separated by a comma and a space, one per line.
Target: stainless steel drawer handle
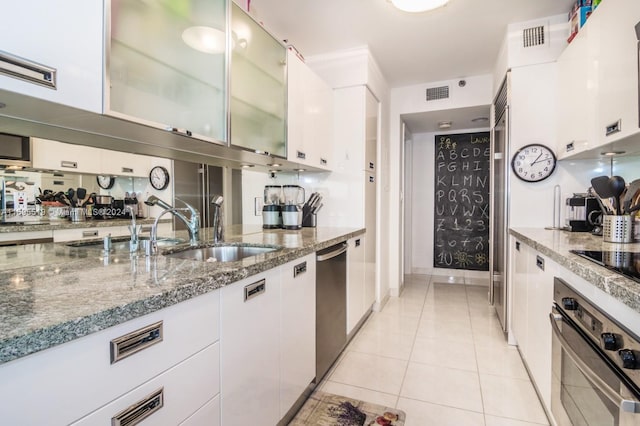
371, 165
540, 262
136, 341
299, 269
127, 170
255, 289
301, 155
140, 410
91, 233
69, 164
323, 161
613, 128
26, 70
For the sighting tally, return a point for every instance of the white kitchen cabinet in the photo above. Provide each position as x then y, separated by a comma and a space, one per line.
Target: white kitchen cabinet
53, 155
518, 282
258, 92
93, 232
532, 287
577, 105
66, 36
117, 163
309, 116
356, 306
297, 329
182, 390
167, 65
616, 50
250, 350
598, 83
74, 379
356, 118
208, 415
370, 242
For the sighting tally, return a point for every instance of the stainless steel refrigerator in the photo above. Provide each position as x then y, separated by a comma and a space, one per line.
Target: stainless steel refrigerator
196, 183
500, 203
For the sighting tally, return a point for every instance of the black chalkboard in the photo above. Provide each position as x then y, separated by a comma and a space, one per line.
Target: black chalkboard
461, 208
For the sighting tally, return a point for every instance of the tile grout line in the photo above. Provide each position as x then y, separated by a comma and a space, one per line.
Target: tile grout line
415, 335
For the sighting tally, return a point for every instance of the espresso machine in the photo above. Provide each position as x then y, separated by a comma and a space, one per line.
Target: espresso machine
272, 209
292, 209
582, 213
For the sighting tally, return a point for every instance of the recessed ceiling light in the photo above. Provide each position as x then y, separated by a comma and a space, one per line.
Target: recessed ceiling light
415, 6
205, 39
247, 166
479, 119
300, 170
274, 165
444, 124
612, 153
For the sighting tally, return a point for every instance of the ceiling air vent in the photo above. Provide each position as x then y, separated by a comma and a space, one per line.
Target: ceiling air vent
434, 93
533, 36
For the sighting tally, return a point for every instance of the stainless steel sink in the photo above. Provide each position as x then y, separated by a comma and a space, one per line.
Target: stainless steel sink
222, 253
122, 243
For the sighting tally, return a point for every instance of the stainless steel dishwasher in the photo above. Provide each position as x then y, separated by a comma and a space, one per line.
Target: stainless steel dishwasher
331, 306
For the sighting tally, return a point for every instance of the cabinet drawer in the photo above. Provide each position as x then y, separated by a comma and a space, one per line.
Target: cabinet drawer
208, 415
75, 378
184, 388
60, 235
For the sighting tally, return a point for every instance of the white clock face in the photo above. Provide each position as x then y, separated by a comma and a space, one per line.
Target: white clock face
105, 182
533, 163
159, 177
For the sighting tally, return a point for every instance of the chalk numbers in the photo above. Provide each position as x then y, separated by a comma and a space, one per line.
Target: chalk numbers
533, 163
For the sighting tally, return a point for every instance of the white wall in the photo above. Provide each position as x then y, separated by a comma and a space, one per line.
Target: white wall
407, 100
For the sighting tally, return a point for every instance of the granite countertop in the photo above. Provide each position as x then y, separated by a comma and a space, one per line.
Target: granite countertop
52, 293
556, 244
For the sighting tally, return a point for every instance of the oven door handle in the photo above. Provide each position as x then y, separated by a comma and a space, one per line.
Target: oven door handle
625, 405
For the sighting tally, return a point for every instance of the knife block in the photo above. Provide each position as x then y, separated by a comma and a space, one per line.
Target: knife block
308, 218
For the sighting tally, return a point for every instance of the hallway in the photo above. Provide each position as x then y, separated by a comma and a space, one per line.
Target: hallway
438, 353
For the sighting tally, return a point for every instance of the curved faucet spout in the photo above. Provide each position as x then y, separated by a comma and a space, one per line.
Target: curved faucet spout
192, 223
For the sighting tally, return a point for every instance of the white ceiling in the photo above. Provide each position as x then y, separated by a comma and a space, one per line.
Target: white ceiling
459, 40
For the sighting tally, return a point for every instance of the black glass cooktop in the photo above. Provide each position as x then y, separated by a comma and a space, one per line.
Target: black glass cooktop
625, 263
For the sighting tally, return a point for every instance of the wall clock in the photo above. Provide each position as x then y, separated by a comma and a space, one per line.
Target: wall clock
105, 182
534, 162
159, 177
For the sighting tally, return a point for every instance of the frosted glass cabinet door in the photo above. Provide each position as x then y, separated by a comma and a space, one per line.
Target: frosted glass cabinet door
166, 65
258, 87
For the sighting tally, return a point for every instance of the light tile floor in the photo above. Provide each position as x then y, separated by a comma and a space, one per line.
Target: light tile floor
437, 352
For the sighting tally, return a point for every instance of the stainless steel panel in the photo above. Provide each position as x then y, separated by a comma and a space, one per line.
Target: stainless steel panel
331, 307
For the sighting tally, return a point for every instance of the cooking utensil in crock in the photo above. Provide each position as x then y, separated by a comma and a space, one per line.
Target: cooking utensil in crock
618, 186
632, 191
601, 187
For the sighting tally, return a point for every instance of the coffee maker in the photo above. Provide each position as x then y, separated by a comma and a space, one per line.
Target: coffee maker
272, 210
581, 214
292, 209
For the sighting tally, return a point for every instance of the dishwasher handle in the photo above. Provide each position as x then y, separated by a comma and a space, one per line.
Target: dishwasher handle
337, 252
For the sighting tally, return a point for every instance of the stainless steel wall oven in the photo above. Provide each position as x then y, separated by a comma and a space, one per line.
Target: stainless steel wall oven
595, 367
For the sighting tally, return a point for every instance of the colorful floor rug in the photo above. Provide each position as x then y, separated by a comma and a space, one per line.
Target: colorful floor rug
325, 409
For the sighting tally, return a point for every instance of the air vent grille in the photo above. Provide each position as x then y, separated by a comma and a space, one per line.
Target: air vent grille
533, 36
434, 93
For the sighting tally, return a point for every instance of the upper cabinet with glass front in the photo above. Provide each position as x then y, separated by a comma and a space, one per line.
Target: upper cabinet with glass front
258, 87
166, 65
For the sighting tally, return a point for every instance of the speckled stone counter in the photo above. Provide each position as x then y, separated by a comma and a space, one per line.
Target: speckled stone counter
557, 244
68, 292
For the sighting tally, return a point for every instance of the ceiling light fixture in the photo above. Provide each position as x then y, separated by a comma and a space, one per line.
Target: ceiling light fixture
612, 153
479, 119
445, 124
415, 6
205, 39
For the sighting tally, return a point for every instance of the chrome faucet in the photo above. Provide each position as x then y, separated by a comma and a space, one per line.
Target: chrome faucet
218, 227
193, 223
134, 230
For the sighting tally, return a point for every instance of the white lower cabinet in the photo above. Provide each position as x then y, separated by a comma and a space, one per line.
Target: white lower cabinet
69, 382
250, 358
168, 399
532, 286
267, 343
207, 415
356, 305
297, 330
